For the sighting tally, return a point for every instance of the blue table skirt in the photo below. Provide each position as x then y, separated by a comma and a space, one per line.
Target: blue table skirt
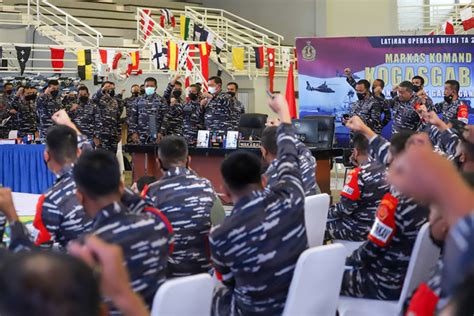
22, 168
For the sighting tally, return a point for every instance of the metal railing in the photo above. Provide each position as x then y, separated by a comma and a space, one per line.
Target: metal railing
63, 26
228, 32
424, 19
222, 21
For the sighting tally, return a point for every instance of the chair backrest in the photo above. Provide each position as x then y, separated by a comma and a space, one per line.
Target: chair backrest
424, 257
252, 124
190, 295
315, 217
13, 134
318, 130
316, 283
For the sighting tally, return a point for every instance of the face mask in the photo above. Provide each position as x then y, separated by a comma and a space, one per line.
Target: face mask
212, 90
177, 94
135, 94
193, 96
149, 90
54, 93
112, 92
142, 91
448, 98
83, 99
9, 92
416, 88
30, 97
360, 96
232, 94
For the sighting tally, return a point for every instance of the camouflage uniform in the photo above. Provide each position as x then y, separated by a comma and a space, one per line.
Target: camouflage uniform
256, 249
46, 106
145, 240
173, 121
387, 115
369, 110
405, 116
188, 202
26, 114
141, 112
307, 167
59, 216
4, 113
85, 118
237, 113
218, 113
109, 109
353, 216
456, 110
193, 120
378, 267
129, 105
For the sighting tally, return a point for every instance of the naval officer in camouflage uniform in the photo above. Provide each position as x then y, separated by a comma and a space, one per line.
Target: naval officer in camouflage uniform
405, 105
83, 113
367, 107
48, 103
256, 248
193, 116
24, 104
149, 105
129, 104
232, 90
378, 267
452, 108
173, 120
352, 218
307, 161
190, 204
146, 239
108, 109
219, 107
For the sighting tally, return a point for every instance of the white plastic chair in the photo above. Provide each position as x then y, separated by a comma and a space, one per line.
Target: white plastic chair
423, 259
13, 134
316, 282
349, 245
191, 295
316, 209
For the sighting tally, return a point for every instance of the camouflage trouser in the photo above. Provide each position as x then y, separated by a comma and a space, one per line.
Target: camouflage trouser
360, 282
347, 229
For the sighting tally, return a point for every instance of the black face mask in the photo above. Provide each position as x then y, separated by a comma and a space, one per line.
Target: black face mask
142, 91
54, 93
193, 96
232, 94
135, 94
177, 94
360, 96
112, 93
8, 92
416, 88
448, 98
83, 99
30, 97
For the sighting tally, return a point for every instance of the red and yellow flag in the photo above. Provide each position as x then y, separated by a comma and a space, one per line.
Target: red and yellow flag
172, 55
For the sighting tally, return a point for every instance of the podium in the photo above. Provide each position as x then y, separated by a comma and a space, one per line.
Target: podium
206, 163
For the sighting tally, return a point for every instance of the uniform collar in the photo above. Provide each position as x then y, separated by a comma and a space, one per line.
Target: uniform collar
66, 170
176, 171
108, 212
246, 199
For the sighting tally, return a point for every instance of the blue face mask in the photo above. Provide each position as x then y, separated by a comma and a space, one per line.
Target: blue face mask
149, 90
